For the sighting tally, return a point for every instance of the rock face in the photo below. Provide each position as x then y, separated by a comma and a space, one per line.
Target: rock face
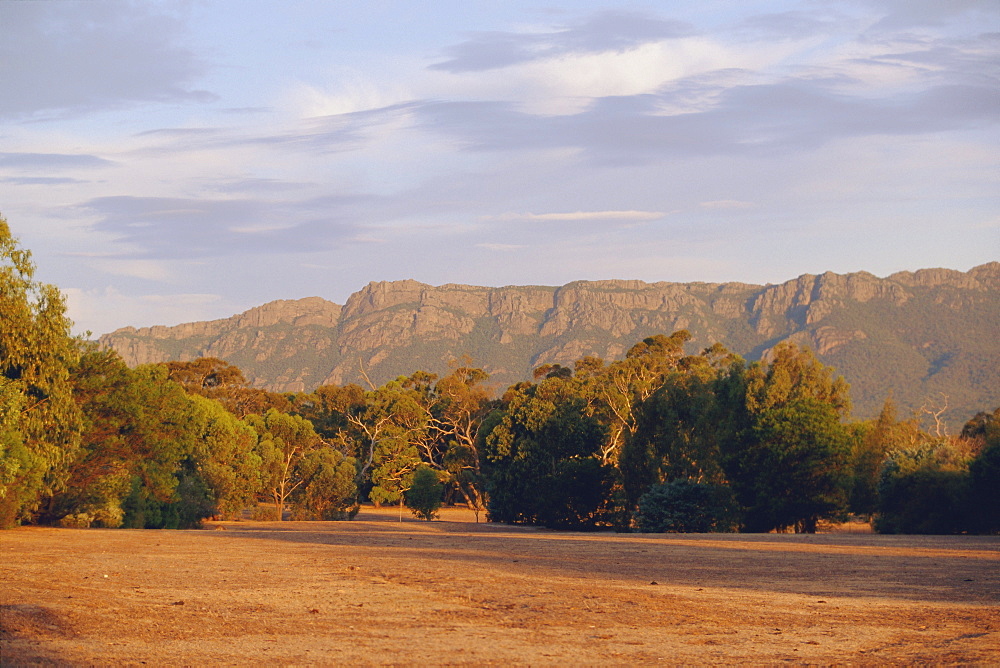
916, 334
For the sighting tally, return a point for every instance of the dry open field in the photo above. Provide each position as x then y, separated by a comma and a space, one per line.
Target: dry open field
380, 591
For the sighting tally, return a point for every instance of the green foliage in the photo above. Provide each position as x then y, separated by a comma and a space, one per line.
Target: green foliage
461, 401
284, 443
423, 498
677, 433
189, 505
984, 490
799, 454
328, 408
690, 441
328, 490
227, 460
872, 444
100, 474
543, 464
40, 422
219, 380
788, 462
686, 506
924, 489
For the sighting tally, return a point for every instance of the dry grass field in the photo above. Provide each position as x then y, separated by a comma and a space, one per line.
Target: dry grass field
380, 591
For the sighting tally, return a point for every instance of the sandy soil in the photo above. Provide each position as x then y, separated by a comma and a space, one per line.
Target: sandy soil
380, 591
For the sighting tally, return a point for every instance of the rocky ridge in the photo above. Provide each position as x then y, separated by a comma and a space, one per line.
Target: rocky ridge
932, 330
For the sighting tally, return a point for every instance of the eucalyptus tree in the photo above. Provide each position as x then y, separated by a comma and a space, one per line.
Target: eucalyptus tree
461, 402
789, 463
543, 457
284, 442
39, 420
224, 382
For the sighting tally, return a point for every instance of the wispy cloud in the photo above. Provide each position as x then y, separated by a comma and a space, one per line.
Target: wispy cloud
562, 217
606, 31
789, 115
40, 180
68, 58
159, 227
34, 161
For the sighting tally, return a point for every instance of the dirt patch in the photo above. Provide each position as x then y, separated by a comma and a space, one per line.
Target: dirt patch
380, 591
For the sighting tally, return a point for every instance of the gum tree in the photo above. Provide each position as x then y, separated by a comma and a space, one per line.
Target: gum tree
39, 420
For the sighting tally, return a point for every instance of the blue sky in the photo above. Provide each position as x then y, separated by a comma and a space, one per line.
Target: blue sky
178, 161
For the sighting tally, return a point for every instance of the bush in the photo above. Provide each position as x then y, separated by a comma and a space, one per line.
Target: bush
926, 501
984, 491
424, 496
686, 506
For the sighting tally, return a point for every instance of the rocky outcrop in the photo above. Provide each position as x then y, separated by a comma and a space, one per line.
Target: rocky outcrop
923, 318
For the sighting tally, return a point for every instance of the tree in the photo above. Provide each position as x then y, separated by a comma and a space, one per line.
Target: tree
391, 431
284, 441
158, 433
137, 431
328, 490
619, 388
101, 473
217, 379
423, 497
677, 430
544, 465
873, 443
328, 408
984, 477
226, 457
787, 455
21, 471
41, 422
798, 458
461, 402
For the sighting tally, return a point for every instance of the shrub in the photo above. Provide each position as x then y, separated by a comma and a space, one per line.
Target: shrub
686, 506
924, 490
984, 490
424, 496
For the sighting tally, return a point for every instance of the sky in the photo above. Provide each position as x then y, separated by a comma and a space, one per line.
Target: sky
167, 162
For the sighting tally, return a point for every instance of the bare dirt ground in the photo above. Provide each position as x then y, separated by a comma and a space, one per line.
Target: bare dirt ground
379, 591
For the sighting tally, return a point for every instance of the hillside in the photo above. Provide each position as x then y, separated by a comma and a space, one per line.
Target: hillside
916, 334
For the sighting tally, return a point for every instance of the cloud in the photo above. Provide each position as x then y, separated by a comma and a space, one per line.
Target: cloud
161, 227
49, 161
795, 114
792, 25
257, 185
903, 14
147, 270
336, 132
631, 216
602, 32
64, 58
41, 180
972, 60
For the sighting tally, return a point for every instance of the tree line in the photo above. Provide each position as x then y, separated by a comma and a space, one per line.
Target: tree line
662, 440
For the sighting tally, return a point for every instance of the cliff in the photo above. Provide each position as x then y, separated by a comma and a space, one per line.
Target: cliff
917, 334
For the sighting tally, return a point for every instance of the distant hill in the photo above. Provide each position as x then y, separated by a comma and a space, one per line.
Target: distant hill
916, 334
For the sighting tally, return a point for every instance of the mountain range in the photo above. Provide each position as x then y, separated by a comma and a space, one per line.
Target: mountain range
931, 337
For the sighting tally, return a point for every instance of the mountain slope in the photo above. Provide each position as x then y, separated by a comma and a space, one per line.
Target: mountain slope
917, 334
